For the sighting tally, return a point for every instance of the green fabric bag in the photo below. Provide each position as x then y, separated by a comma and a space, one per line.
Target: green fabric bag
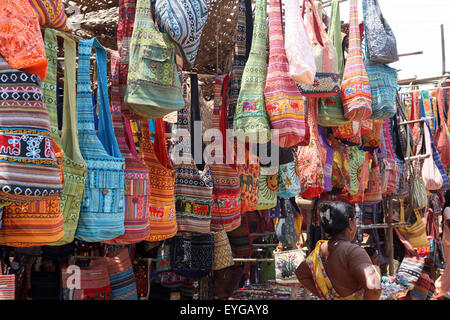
74, 167
153, 84
250, 115
331, 111
267, 187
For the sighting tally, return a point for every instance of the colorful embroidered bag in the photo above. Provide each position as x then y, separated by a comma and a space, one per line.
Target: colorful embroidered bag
331, 112
390, 167
51, 13
21, 43
431, 176
438, 162
310, 167
326, 81
226, 195
381, 43
102, 211
359, 175
285, 230
193, 182
121, 275
7, 287
163, 220
250, 114
355, 88
267, 187
29, 166
240, 54
299, 49
248, 173
183, 20
285, 106
327, 161
288, 180
373, 192
153, 85
286, 264
372, 140
127, 13
137, 184
442, 135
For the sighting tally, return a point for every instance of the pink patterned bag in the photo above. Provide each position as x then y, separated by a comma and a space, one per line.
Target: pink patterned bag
285, 106
355, 87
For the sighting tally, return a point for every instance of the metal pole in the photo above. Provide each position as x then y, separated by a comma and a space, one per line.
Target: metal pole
443, 48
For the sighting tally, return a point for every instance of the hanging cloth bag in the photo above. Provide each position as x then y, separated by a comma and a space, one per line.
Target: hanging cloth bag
163, 220
223, 255
442, 135
248, 173
355, 88
102, 211
226, 195
288, 180
331, 111
193, 182
327, 160
326, 81
381, 43
137, 185
285, 106
153, 85
299, 49
250, 116
431, 176
121, 275
183, 20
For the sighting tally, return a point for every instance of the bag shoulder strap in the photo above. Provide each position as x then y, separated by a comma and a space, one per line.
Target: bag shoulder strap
69, 135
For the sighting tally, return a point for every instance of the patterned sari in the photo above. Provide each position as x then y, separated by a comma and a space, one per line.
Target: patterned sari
321, 280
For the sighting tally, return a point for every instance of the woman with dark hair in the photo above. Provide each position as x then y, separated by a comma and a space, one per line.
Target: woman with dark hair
338, 269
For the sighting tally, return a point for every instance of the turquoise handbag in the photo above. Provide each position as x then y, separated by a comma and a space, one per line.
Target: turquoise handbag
102, 211
288, 180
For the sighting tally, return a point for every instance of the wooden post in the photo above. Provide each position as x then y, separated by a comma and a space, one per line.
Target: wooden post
390, 236
443, 48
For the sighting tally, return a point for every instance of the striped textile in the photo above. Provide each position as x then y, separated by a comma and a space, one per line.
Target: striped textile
239, 59
28, 163
193, 187
74, 167
102, 211
355, 87
223, 255
7, 287
127, 12
442, 136
183, 20
285, 106
438, 162
121, 276
137, 184
163, 221
250, 114
94, 281
226, 195
51, 13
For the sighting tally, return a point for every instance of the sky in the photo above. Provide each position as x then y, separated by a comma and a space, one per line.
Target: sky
416, 26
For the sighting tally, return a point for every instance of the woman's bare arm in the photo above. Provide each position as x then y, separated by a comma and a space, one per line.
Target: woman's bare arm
305, 277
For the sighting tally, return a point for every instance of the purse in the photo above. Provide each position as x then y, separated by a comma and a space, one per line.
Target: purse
240, 55
372, 140
7, 287
327, 80
299, 49
442, 134
25, 140
391, 168
102, 211
310, 168
163, 220
248, 176
416, 232
121, 275
373, 192
137, 184
193, 183
94, 283
412, 264
51, 13
226, 194
285, 106
288, 180
286, 263
285, 227
183, 21
192, 256
21, 43
223, 255
430, 173
250, 119
381, 43
142, 270
153, 85
328, 164
437, 161
240, 240
355, 87
267, 187
331, 111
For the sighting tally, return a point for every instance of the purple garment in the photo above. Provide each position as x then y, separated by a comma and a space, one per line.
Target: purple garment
328, 170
